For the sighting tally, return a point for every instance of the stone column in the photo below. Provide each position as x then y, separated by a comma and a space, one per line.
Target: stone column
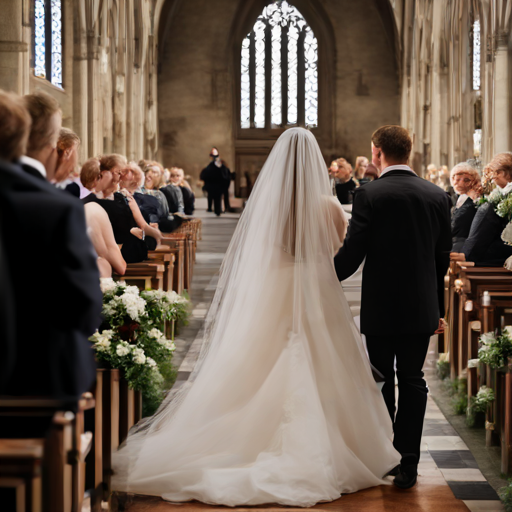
501, 96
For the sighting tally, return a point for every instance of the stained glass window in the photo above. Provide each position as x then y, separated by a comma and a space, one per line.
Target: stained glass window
48, 40
279, 70
476, 55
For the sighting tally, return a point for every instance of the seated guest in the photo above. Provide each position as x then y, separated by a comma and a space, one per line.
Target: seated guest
465, 180
89, 177
47, 353
41, 158
174, 196
177, 177
345, 185
360, 168
67, 160
371, 173
152, 203
484, 245
102, 237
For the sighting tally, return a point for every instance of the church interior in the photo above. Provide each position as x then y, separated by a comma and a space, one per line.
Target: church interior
158, 96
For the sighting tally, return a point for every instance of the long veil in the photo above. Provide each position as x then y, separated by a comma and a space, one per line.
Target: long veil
286, 226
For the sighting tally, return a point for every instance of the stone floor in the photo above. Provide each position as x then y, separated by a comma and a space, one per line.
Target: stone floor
449, 477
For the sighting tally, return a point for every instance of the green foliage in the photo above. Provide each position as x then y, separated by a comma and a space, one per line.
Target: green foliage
495, 350
506, 496
478, 406
460, 403
443, 369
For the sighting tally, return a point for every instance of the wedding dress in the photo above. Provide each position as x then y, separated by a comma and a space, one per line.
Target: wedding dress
281, 407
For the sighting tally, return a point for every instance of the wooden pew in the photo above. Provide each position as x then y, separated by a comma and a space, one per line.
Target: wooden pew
166, 256
177, 242
65, 445
145, 275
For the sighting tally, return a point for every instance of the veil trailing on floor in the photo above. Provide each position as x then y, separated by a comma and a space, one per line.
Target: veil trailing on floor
277, 289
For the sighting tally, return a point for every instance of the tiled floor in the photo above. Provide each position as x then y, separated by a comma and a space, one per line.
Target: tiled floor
449, 478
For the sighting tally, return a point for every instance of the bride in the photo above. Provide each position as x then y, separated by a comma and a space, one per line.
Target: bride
281, 407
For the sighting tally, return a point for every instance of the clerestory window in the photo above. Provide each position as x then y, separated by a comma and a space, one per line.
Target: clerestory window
279, 70
48, 40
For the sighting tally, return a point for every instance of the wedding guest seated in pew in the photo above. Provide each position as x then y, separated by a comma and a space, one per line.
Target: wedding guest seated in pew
484, 245
67, 161
50, 276
174, 196
102, 237
466, 183
130, 228
154, 211
177, 177
345, 183
40, 160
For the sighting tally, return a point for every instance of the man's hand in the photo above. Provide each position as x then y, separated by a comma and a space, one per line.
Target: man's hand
442, 326
457, 256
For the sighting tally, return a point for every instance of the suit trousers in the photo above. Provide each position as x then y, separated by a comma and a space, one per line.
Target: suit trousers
410, 352
217, 201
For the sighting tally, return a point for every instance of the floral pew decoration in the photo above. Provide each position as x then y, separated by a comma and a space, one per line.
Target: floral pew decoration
132, 337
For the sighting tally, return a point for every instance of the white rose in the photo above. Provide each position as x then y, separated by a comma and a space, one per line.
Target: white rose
508, 330
150, 362
473, 363
122, 350
107, 284
139, 356
506, 234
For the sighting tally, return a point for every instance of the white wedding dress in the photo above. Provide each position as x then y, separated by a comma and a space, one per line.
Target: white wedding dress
281, 407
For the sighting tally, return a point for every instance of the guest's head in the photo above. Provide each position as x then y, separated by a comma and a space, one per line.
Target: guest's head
90, 174
166, 177
463, 178
15, 124
44, 133
67, 154
361, 166
214, 153
153, 172
132, 177
391, 145
344, 170
111, 167
177, 176
501, 169
371, 173
333, 169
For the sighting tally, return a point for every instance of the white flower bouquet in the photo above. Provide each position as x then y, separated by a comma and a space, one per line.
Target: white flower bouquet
133, 340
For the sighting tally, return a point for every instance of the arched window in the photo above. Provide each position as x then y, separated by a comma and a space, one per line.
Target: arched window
48, 40
279, 70
476, 63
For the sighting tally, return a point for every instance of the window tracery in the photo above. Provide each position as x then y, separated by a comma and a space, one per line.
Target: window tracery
279, 70
48, 40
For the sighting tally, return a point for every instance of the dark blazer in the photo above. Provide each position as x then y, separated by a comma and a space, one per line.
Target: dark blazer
462, 218
55, 288
216, 179
401, 225
174, 198
484, 245
345, 190
32, 171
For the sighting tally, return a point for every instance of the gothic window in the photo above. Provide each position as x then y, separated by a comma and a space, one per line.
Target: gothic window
279, 70
477, 134
476, 55
48, 40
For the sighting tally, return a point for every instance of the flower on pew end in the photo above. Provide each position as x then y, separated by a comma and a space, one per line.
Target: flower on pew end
506, 234
138, 356
123, 349
151, 362
488, 338
107, 284
507, 330
102, 340
473, 363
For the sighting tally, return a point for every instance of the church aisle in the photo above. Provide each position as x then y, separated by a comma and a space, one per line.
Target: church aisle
449, 478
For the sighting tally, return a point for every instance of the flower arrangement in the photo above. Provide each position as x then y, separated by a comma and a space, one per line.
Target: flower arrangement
478, 406
134, 341
495, 350
443, 366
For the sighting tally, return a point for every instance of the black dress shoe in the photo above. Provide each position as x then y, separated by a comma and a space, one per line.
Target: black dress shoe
407, 477
393, 472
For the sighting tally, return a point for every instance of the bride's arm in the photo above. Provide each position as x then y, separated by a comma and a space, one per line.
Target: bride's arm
339, 218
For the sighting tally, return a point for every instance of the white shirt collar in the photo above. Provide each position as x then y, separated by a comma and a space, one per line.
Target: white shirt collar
396, 168
32, 162
461, 200
506, 189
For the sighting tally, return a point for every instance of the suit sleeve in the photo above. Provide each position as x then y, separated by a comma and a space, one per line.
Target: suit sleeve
82, 298
355, 246
481, 234
442, 254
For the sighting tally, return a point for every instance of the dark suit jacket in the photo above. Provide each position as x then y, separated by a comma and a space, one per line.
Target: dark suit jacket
462, 218
484, 245
401, 225
55, 288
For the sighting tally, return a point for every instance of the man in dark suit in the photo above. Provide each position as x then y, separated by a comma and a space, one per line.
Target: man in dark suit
53, 281
216, 177
401, 225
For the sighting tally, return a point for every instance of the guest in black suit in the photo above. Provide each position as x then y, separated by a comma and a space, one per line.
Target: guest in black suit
484, 245
67, 161
56, 301
177, 177
401, 225
344, 182
216, 178
40, 160
465, 181
173, 193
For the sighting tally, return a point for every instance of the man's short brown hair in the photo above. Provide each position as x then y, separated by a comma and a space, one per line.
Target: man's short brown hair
15, 125
41, 107
67, 139
109, 162
394, 141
